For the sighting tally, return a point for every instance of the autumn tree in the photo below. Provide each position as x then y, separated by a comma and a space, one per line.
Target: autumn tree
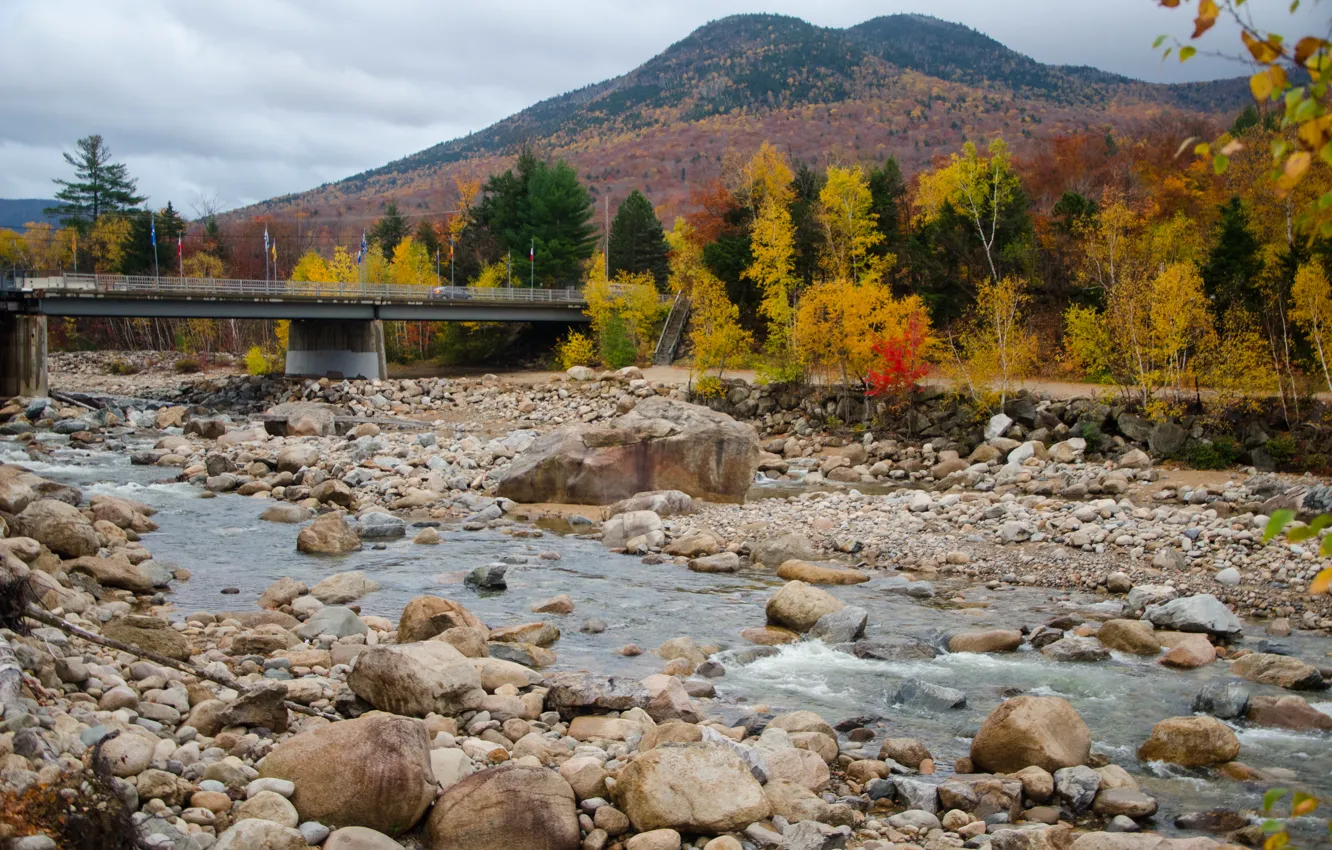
99, 187
998, 350
772, 245
1312, 311
637, 242
715, 334
851, 227
390, 229
625, 313
979, 187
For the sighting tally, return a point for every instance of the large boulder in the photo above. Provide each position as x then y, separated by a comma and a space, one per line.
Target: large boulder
18, 488
301, 419
1132, 636
1024, 731
777, 548
634, 530
662, 444
798, 606
1284, 671
60, 527
329, 534
660, 502
341, 588
576, 693
149, 633
373, 772
512, 806
825, 573
1191, 742
116, 570
1199, 613
691, 788
1287, 712
293, 458
427, 616
416, 679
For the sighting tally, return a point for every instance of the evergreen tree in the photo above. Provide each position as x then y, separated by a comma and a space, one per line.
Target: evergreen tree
100, 186
808, 230
889, 192
637, 242
427, 238
138, 256
1234, 264
389, 230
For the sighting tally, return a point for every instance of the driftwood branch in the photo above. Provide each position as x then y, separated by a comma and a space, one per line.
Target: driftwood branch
184, 666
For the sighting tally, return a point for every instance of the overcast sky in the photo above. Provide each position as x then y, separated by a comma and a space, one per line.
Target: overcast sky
245, 99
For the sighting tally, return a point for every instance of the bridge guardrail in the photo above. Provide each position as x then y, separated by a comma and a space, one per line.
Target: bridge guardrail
148, 287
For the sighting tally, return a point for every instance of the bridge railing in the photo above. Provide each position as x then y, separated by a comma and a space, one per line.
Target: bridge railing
146, 286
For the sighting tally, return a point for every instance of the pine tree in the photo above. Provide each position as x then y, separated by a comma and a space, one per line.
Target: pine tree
1234, 264
637, 242
560, 226
100, 186
138, 255
389, 230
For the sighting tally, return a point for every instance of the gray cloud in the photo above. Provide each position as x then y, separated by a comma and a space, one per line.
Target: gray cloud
248, 99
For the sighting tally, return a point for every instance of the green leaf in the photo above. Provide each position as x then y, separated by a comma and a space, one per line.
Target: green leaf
1271, 797
1299, 535
1325, 201
1160, 40
1186, 52
1270, 826
1294, 6
1325, 550
1321, 522
1279, 520
1220, 163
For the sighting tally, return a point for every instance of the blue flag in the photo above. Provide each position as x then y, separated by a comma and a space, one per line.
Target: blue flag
152, 224
360, 255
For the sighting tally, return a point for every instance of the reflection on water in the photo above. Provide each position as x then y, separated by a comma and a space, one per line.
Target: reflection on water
224, 544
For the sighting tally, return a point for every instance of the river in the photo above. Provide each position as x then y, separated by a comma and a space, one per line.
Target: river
225, 545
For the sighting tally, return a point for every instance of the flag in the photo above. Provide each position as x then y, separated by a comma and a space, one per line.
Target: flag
152, 224
274, 253
265, 239
180, 253
531, 252
450, 247
360, 255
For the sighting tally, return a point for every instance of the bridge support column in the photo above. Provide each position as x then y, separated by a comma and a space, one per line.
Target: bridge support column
22, 355
343, 348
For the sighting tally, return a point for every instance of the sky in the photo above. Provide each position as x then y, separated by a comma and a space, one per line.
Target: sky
234, 102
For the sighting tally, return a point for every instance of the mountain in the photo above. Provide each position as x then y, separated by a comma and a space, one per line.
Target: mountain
16, 212
910, 86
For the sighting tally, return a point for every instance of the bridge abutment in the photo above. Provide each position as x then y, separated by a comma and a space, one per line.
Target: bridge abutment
337, 348
22, 354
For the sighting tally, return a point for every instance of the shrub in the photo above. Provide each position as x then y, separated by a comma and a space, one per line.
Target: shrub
1217, 454
122, 367
617, 349
187, 365
257, 362
576, 349
709, 386
1282, 450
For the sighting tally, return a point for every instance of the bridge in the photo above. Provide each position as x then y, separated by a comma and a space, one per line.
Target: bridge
336, 328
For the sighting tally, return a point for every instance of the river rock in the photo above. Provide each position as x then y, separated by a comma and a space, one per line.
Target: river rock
294, 458
636, 531
416, 679
262, 705
1193, 651
691, 788
506, 807
379, 525
841, 626
341, 588
722, 562
819, 573
60, 527
328, 534
1076, 649
1124, 801
149, 633
905, 751
335, 620
115, 570
259, 834
269, 806
775, 549
798, 606
293, 514
302, 419
1027, 730
373, 772
927, 696
1226, 700
1284, 671
660, 502
282, 592
359, 838
1077, 786
661, 444
992, 640
1135, 637
803, 767
574, 693
1191, 742
18, 488
1287, 712
427, 616
1199, 613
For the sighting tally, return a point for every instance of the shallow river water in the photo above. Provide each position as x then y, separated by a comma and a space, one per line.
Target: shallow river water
224, 544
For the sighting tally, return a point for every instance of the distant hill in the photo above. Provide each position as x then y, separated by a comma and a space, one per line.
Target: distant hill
910, 86
16, 212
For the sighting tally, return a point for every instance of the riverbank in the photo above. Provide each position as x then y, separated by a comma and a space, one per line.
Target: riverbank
965, 593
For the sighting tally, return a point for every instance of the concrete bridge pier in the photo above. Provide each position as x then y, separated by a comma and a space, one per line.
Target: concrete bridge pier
336, 348
22, 354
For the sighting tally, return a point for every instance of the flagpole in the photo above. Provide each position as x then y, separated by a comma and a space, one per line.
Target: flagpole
531, 262
152, 223
452, 264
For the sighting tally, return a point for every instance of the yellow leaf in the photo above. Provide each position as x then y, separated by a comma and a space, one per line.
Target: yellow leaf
1261, 86
1187, 52
1306, 47
1297, 164
1207, 14
1303, 807
1321, 583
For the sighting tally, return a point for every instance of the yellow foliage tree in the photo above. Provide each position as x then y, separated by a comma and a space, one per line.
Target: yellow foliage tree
1312, 311
998, 350
850, 226
768, 177
715, 334
978, 187
204, 266
838, 323
107, 240
411, 265
772, 244
624, 314
342, 268
311, 268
